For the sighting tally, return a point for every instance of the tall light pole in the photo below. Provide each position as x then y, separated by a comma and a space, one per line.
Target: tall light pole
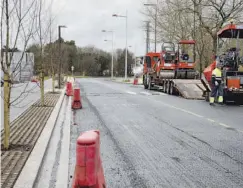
116, 15
59, 40
155, 22
112, 54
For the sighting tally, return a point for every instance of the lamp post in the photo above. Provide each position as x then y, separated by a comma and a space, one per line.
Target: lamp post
135, 64
72, 68
112, 54
122, 16
155, 22
59, 40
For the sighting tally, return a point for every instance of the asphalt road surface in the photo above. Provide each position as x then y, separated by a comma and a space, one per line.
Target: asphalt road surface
23, 95
150, 139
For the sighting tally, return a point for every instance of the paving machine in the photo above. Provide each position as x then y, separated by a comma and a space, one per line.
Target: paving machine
178, 64
173, 70
230, 56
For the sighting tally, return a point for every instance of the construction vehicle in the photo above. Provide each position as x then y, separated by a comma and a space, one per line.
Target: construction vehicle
231, 59
173, 71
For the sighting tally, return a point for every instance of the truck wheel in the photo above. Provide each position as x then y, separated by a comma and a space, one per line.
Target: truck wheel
164, 87
149, 83
168, 87
145, 82
171, 88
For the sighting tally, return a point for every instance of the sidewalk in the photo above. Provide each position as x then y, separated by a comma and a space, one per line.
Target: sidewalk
25, 131
25, 100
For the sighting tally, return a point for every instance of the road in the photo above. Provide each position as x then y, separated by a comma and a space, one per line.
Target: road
150, 139
23, 95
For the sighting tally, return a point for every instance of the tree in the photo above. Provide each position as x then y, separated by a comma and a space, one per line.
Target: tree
23, 28
195, 19
120, 67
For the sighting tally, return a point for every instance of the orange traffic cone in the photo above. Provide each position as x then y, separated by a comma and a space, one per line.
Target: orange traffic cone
69, 89
88, 170
135, 81
76, 99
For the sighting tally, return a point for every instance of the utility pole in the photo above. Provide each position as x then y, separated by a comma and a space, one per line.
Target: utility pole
126, 17
155, 22
147, 36
112, 54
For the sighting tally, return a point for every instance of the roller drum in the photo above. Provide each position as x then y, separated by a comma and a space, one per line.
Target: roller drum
167, 74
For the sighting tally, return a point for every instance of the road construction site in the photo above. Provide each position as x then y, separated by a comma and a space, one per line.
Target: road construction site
148, 139
151, 139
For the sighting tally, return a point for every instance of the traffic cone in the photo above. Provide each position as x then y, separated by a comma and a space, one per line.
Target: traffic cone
135, 81
69, 89
88, 170
76, 104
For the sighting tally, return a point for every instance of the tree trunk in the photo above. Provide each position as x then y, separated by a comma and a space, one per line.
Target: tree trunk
6, 110
53, 82
42, 88
7, 84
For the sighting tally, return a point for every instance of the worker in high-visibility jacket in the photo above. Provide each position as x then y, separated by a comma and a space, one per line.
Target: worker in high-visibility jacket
217, 84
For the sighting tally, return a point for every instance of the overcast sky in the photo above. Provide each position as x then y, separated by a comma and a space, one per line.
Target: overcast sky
86, 18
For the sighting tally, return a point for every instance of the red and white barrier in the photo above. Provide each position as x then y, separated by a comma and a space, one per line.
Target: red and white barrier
88, 170
69, 89
76, 104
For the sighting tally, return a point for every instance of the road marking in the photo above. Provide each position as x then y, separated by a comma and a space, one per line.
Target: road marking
183, 110
162, 94
211, 120
130, 92
146, 93
224, 125
198, 115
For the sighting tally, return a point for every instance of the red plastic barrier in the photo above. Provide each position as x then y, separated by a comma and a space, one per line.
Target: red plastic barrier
76, 104
135, 81
69, 89
88, 170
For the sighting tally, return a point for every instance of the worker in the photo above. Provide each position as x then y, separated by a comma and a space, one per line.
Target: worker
217, 84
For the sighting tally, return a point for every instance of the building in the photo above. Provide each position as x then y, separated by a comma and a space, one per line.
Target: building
21, 67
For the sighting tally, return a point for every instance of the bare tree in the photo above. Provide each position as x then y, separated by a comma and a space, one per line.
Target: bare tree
17, 28
44, 32
196, 19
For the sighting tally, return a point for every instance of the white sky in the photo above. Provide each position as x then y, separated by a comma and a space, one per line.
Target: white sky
86, 18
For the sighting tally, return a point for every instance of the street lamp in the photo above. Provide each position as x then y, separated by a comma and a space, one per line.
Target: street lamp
112, 54
122, 16
155, 21
72, 68
134, 55
59, 40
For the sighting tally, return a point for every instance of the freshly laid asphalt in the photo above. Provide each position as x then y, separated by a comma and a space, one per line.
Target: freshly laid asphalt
150, 139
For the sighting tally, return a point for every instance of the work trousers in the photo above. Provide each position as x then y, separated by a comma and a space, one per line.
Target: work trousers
217, 91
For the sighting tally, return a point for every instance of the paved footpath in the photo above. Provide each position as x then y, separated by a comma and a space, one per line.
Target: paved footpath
25, 131
31, 95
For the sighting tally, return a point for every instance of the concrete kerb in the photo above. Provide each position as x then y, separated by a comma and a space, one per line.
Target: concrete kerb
63, 168
30, 171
